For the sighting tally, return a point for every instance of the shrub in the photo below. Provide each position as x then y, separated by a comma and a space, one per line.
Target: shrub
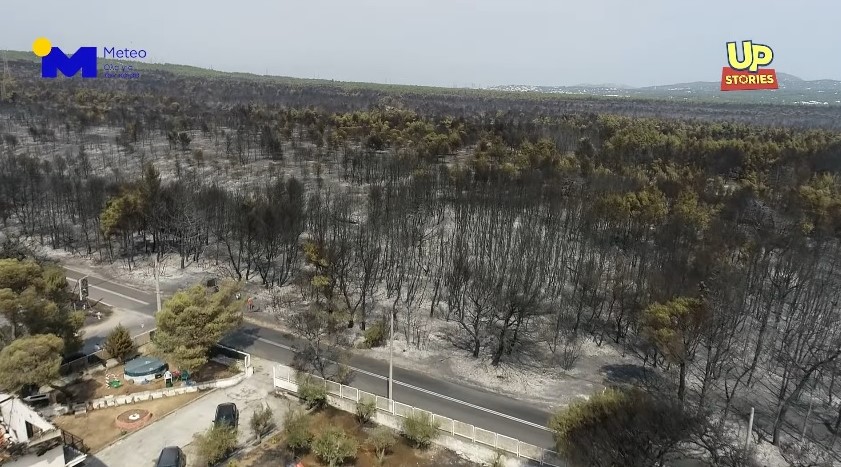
215, 444
119, 343
650, 428
382, 440
334, 446
262, 421
498, 459
365, 411
296, 429
375, 335
420, 429
312, 393
570, 353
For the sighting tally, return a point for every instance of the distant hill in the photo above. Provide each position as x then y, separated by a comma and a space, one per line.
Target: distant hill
793, 90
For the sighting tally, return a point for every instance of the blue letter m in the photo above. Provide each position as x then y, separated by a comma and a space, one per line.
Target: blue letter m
84, 59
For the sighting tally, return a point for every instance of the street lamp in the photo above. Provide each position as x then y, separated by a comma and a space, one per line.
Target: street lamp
157, 284
391, 361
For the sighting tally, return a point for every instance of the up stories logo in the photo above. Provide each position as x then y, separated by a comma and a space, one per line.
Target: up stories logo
747, 74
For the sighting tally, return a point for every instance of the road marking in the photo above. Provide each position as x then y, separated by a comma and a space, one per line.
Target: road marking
104, 280
426, 391
117, 294
120, 295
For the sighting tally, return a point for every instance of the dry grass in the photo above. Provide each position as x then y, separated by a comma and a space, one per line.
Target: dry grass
273, 453
97, 427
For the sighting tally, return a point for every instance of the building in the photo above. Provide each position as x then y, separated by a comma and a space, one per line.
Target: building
30, 441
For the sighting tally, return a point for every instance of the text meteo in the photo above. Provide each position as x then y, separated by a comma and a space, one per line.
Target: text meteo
122, 53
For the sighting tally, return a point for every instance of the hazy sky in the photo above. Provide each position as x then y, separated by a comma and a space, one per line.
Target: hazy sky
446, 42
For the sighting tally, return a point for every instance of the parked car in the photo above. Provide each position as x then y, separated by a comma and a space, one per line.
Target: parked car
39, 399
32, 395
172, 456
227, 414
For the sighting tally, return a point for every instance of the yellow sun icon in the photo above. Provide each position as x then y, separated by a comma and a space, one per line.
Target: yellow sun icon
42, 46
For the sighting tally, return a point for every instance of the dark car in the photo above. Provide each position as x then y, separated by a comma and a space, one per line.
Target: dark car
227, 414
172, 456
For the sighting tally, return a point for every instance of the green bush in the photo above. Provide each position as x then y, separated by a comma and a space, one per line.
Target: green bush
296, 430
365, 411
420, 429
334, 446
262, 421
119, 343
375, 335
215, 444
381, 441
587, 432
314, 394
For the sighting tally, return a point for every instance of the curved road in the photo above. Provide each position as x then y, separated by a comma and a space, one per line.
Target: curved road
484, 409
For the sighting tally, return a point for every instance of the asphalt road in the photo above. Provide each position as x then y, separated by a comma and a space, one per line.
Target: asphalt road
484, 409
133, 308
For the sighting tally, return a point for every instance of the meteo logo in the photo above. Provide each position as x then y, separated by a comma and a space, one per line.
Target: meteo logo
746, 74
53, 60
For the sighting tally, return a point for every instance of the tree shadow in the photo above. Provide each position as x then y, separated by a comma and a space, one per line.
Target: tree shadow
626, 374
242, 337
82, 390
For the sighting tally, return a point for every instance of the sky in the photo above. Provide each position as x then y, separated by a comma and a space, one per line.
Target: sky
476, 43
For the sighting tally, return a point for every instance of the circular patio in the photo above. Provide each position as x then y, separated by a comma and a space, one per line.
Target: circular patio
133, 419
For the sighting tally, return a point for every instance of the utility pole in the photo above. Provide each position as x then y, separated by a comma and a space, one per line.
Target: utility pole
157, 284
83, 288
808, 414
750, 429
391, 362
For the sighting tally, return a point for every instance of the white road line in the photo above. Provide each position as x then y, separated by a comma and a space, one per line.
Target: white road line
119, 295
113, 292
426, 391
103, 280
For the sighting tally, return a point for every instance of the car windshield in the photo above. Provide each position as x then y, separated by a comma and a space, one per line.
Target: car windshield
168, 458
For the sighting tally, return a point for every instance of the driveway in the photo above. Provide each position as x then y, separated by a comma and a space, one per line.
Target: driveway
143, 446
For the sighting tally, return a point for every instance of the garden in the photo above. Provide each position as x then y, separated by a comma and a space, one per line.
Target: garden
317, 434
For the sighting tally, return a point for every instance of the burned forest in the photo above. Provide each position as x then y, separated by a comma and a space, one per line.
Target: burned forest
699, 240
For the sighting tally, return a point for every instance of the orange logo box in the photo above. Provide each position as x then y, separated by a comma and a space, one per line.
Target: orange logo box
735, 80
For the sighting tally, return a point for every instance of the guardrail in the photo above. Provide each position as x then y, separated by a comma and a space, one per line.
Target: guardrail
285, 378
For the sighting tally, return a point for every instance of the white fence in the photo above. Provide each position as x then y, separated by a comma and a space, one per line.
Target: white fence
285, 378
